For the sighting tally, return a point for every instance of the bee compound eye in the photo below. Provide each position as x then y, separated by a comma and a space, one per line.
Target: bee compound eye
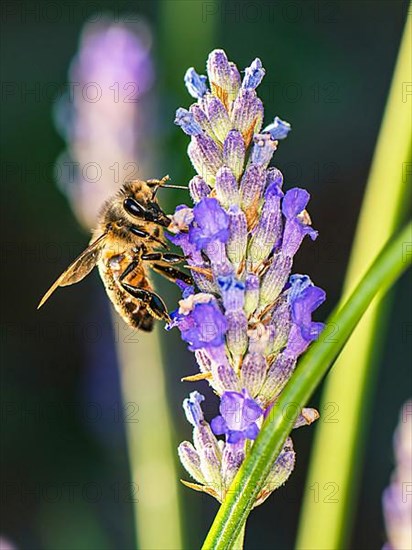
134, 208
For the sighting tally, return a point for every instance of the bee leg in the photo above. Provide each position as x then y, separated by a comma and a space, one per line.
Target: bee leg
151, 300
128, 270
172, 273
145, 235
166, 257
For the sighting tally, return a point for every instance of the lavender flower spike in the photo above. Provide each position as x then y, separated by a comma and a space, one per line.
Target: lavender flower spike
248, 319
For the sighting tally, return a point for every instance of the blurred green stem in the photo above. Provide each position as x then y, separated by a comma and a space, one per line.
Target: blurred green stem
150, 443
338, 448
386, 269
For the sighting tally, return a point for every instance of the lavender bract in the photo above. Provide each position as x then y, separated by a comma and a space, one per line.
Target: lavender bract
248, 319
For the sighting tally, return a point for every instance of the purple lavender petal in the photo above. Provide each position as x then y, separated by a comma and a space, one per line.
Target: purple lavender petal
205, 326
253, 75
218, 425
251, 431
195, 83
187, 122
239, 410
298, 222
211, 224
279, 129
192, 408
263, 148
234, 436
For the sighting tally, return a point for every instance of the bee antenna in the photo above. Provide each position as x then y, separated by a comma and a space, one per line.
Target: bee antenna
157, 187
175, 187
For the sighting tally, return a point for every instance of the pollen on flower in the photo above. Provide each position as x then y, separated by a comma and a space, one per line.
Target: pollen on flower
248, 318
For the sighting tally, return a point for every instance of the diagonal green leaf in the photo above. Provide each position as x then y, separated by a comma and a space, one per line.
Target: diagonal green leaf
386, 269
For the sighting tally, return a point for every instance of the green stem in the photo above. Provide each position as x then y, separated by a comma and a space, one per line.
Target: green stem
338, 448
386, 269
239, 538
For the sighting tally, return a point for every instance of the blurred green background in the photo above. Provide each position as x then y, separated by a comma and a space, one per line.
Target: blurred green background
64, 468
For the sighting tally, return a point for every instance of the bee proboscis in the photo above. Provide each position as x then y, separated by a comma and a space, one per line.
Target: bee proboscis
124, 244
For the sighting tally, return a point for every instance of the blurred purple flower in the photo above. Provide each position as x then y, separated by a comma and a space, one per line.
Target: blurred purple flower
104, 116
397, 498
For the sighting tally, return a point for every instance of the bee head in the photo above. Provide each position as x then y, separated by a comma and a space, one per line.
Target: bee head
139, 202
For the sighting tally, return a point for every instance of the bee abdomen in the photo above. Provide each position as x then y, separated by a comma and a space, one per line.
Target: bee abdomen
132, 311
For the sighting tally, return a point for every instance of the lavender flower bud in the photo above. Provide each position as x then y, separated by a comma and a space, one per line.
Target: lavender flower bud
199, 189
275, 278
218, 117
253, 372
268, 232
263, 149
236, 336
201, 118
237, 242
220, 75
190, 459
209, 453
224, 378
187, 122
234, 152
277, 376
206, 157
234, 82
232, 458
247, 114
280, 471
226, 187
252, 285
251, 190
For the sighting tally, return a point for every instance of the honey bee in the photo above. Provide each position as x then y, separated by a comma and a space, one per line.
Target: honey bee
124, 244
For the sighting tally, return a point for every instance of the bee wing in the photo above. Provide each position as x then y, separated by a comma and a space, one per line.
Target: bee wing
81, 267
